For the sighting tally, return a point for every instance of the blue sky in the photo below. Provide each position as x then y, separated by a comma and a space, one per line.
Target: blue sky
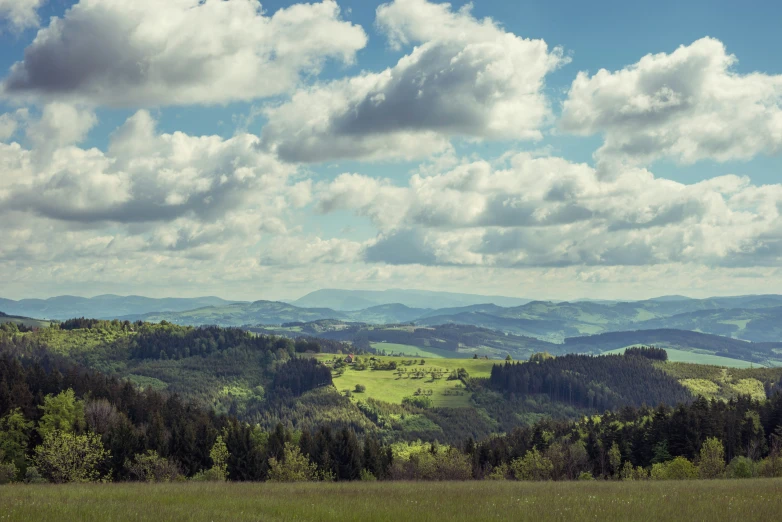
266, 153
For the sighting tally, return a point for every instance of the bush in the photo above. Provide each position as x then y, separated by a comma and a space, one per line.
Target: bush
294, 467
419, 401
367, 476
741, 467
770, 467
532, 466
66, 457
151, 467
360, 388
8, 472
677, 469
585, 475
32, 476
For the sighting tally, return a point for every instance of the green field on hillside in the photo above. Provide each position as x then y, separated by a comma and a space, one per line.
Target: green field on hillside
416, 351
685, 356
35, 323
389, 386
715, 500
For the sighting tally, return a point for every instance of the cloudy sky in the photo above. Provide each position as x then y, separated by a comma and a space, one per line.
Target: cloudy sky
574, 149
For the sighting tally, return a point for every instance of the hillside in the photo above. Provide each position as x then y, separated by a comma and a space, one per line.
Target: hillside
26, 321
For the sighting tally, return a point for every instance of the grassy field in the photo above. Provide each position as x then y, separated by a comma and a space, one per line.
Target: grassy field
387, 386
685, 356
746, 500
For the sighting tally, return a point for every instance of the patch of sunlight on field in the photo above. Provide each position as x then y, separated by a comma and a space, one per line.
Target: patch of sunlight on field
388, 386
473, 501
407, 349
751, 387
703, 387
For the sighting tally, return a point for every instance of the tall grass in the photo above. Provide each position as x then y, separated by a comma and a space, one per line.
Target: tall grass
715, 500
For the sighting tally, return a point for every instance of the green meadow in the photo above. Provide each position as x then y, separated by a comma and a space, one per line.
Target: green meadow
713, 501
390, 386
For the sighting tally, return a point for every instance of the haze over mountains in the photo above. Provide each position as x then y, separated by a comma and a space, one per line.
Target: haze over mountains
755, 318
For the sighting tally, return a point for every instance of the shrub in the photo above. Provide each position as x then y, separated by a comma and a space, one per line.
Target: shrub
66, 457
585, 475
419, 401
770, 467
367, 476
677, 469
499, 472
294, 467
360, 388
8, 472
151, 467
532, 466
741, 467
32, 476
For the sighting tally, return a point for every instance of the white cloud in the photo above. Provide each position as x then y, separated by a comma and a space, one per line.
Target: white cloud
20, 14
153, 53
688, 105
546, 211
467, 77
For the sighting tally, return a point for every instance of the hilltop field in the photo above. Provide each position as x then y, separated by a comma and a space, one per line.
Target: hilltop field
714, 500
394, 385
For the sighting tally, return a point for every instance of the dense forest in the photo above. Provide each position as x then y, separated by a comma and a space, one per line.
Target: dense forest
603, 383
62, 423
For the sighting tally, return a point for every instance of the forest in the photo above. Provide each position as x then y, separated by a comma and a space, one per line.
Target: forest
62, 423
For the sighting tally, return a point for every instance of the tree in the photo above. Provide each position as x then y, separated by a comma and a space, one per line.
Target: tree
533, 466
14, 429
360, 388
615, 459
293, 467
741, 467
508, 358
67, 457
712, 459
61, 412
219, 456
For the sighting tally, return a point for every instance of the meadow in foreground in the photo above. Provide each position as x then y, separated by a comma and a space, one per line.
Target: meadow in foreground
715, 500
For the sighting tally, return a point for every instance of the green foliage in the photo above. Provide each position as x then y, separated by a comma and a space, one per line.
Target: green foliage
418, 401
367, 476
151, 467
532, 466
741, 468
293, 467
712, 459
219, 455
677, 469
14, 435
61, 412
8, 472
360, 388
67, 457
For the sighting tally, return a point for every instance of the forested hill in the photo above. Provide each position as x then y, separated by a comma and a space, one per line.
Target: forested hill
603, 383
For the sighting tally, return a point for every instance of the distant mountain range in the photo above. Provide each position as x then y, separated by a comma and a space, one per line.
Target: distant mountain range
103, 306
351, 300
755, 318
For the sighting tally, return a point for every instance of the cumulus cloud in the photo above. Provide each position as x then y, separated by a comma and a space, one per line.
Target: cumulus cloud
20, 14
688, 105
548, 212
153, 53
143, 177
466, 77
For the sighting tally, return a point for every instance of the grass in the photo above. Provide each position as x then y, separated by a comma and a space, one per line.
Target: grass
685, 356
718, 500
387, 386
407, 349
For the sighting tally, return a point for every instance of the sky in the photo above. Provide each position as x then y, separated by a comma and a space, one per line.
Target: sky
547, 150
